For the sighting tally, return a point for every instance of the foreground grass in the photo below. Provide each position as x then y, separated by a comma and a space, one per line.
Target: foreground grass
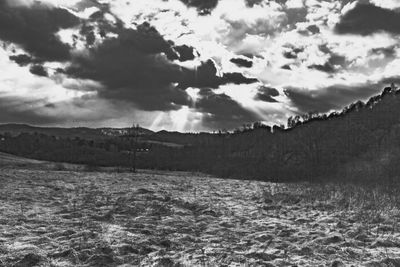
64, 218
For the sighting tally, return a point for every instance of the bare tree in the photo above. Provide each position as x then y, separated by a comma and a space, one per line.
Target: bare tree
134, 144
132, 135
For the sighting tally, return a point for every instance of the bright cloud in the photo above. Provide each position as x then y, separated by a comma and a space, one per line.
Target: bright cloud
179, 67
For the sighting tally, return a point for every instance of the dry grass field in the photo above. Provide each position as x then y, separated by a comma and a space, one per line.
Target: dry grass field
70, 218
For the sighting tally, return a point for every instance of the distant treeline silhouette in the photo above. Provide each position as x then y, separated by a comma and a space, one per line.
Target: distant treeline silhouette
360, 143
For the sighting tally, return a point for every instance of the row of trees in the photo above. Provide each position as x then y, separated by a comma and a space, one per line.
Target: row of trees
360, 143
111, 151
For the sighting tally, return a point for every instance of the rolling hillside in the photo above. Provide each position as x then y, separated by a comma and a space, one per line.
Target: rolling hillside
82, 132
360, 143
8, 159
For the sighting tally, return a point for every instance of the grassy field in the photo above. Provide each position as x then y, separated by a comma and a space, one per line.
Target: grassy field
68, 218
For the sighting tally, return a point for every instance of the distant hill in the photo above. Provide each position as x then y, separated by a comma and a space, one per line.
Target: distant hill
82, 132
169, 139
360, 143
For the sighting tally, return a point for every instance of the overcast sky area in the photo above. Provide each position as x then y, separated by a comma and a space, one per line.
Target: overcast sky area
191, 65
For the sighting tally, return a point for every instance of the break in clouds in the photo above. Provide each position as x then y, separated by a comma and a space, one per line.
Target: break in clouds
191, 65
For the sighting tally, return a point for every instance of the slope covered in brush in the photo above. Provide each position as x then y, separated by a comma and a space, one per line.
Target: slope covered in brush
361, 142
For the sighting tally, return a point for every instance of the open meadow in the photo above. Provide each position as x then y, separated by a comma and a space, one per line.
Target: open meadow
70, 218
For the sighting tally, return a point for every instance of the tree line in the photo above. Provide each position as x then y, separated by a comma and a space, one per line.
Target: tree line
360, 143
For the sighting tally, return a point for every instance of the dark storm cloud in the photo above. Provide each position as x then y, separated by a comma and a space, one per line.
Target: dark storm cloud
295, 15
252, 3
34, 28
206, 76
324, 48
267, 94
222, 112
314, 29
23, 59
366, 18
50, 105
241, 62
38, 70
203, 6
334, 62
132, 68
389, 80
99, 24
337, 60
330, 98
11, 112
185, 52
290, 55
88, 32
334, 58
88, 3
327, 67
292, 52
236, 78
389, 52
137, 67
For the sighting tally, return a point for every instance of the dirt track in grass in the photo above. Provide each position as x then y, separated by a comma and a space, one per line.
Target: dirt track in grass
63, 218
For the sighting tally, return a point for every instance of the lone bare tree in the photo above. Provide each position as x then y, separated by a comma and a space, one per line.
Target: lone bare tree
134, 144
132, 135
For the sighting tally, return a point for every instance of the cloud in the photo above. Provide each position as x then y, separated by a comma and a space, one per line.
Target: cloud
314, 29
333, 63
389, 52
90, 112
295, 15
266, 21
134, 67
17, 110
185, 52
294, 10
236, 78
327, 67
220, 111
203, 6
83, 4
309, 30
247, 30
337, 60
241, 62
206, 75
389, 80
137, 66
266, 94
252, 3
34, 28
39, 70
334, 97
153, 57
292, 52
366, 18
23, 59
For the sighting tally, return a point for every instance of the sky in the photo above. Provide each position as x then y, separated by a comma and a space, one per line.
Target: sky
191, 65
